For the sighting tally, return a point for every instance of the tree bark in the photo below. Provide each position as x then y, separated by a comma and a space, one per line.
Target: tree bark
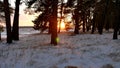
115, 36
50, 27
76, 31
76, 18
54, 35
84, 20
15, 30
93, 23
8, 21
119, 30
0, 36
117, 20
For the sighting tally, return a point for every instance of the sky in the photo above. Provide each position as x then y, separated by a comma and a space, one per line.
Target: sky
24, 19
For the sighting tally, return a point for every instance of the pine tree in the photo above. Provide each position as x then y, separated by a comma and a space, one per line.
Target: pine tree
8, 21
15, 30
54, 35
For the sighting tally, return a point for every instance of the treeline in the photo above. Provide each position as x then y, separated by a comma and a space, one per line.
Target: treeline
13, 32
90, 14
6, 10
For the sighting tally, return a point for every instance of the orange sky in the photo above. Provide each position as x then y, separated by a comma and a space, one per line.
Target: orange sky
24, 19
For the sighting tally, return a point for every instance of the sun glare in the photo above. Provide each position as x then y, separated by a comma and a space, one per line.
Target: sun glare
62, 25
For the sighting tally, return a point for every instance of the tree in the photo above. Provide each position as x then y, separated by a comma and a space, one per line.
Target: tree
54, 35
49, 14
8, 21
40, 23
15, 30
94, 23
117, 20
75, 13
1, 30
43, 6
76, 17
101, 13
2, 17
81, 13
1, 9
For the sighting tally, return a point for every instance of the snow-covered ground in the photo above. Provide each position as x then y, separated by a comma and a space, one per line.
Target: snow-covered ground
81, 51
23, 31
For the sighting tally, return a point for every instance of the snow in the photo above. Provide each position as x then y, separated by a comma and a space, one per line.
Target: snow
82, 51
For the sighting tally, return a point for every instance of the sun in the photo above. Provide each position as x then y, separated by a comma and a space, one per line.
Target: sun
62, 25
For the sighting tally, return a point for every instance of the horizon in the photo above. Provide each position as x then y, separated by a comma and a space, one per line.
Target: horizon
24, 19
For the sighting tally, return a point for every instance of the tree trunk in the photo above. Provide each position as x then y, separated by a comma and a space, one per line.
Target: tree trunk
50, 27
88, 23
116, 26
93, 23
115, 36
100, 27
84, 20
0, 36
119, 30
8, 21
54, 35
76, 31
76, 18
15, 30
117, 20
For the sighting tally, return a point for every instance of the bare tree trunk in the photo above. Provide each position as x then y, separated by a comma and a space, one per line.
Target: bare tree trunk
50, 27
115, 36
15, 30
76, 17
116, 25
0, 36
8, 22
119, 30
76, 31
84, 20
54, 35
117, 20
93, 23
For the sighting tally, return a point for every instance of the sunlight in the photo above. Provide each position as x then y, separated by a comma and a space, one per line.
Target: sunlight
65, 1
2, 24
68, 18
62, 25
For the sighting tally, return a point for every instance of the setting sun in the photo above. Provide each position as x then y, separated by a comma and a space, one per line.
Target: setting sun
62, 25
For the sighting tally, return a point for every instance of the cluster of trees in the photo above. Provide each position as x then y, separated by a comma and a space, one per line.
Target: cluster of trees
49, 15
90, 14
1, 26
12, 32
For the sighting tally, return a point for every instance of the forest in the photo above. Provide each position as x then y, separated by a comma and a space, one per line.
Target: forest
87, 15
65, 34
